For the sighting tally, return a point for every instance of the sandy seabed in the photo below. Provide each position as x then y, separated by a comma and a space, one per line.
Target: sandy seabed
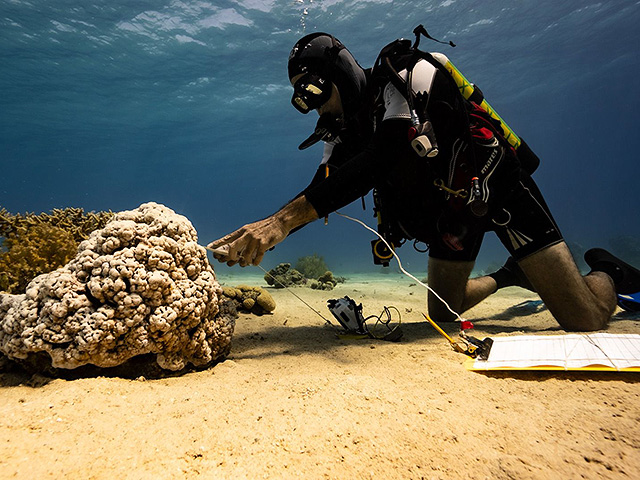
294, 401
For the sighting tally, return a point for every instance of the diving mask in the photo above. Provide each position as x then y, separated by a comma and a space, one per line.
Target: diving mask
310, 91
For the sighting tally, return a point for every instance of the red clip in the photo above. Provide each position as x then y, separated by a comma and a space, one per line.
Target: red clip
482, 133
412, 133
466, 325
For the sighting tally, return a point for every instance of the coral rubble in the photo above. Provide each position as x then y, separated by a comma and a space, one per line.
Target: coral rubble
141, 285
326, 281
254, 300
284, 276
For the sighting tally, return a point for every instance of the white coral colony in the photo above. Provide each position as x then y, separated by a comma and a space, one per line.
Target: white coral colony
140, 285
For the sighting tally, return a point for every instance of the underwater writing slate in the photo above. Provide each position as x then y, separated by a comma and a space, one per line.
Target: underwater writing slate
597, 351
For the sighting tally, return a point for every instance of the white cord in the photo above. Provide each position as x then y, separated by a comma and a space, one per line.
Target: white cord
297, 296
429, 289
225, 251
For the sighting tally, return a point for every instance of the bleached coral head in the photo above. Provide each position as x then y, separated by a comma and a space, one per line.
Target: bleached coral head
140, 285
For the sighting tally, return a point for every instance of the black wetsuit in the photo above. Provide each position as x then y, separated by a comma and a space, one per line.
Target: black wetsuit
418, 191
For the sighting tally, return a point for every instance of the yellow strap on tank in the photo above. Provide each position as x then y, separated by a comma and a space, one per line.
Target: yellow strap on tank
466, 89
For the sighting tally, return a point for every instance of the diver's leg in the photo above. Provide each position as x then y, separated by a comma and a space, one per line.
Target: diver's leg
576, 302
533, 239
450, 280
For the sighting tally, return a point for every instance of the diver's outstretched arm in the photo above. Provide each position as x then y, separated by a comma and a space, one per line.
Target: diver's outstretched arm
248, 244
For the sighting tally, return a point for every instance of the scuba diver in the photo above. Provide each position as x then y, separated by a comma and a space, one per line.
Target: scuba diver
444, 171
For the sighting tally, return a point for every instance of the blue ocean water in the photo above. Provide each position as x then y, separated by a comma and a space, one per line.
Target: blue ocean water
109, 104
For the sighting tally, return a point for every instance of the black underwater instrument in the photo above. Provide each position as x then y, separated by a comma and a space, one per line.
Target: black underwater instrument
381, 253
349, 315
382, 250
477, 205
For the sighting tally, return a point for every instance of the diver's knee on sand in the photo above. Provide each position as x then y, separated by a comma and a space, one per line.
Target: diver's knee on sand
448, 279
576, 302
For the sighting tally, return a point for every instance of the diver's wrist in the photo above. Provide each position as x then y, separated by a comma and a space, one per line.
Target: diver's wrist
297, 212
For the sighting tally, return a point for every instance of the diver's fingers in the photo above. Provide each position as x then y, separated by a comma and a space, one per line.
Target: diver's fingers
259, 251
219, 252
235, 252
226, 239
226, 253
258, 258
220, 258
249, 252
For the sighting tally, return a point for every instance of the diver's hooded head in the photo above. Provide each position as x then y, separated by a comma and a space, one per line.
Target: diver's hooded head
323, 55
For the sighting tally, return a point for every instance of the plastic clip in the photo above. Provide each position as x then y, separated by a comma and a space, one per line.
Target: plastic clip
462, 193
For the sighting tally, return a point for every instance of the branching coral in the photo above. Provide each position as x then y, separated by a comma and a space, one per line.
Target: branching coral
139, 285
72, 220
29, 253
35, 244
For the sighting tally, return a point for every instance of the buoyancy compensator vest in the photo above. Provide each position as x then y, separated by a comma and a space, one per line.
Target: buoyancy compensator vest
483, 125
402, 53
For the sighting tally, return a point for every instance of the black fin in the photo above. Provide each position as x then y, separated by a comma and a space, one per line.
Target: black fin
625, 277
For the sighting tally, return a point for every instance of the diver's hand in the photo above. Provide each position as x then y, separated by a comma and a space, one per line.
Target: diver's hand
248, 244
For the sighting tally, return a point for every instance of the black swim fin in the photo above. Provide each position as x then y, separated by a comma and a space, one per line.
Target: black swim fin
630, 302
625, 277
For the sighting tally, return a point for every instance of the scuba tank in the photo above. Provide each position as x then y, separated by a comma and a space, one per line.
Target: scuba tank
402, 54
528, 159
472, 93
385, 71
